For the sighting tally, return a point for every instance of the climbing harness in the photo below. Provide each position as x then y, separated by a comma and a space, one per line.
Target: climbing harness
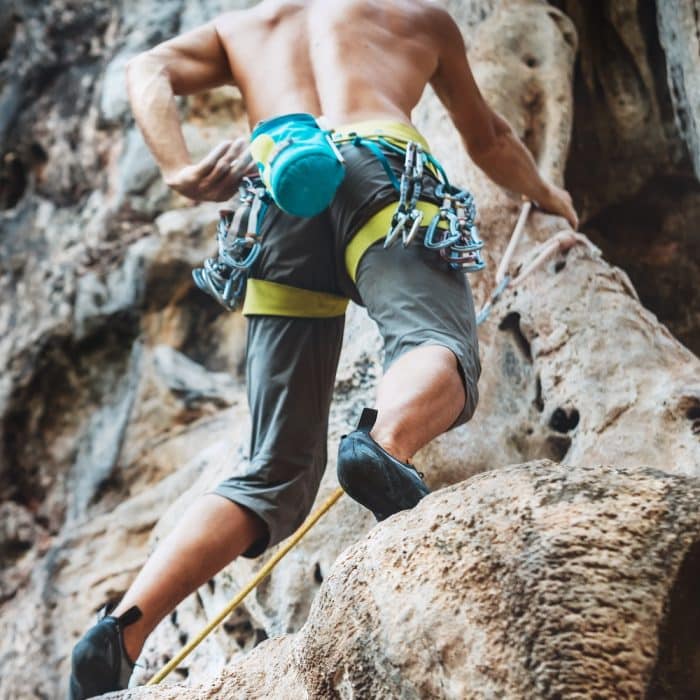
452, 230
277, 145
239, 244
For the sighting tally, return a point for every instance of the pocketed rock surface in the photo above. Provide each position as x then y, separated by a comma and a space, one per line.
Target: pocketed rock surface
531, 581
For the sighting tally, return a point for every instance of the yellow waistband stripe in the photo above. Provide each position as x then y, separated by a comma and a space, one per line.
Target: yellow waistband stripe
265, 298
376, 229
394, 132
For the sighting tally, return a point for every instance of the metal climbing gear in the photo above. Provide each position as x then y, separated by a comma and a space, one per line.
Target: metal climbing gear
408, 219
460, 243
452, 230
238, 239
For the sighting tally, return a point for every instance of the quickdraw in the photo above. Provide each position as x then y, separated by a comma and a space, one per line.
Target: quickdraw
408, 218
238, 239
458, 242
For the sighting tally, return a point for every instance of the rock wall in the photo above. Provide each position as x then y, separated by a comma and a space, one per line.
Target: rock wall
630, 168
679, 29
122, 396
535, 581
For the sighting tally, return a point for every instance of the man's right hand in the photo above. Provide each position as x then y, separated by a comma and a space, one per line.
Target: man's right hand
217, 176
558, 201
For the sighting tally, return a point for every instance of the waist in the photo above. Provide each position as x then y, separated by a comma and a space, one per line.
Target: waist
396, 132
392, 130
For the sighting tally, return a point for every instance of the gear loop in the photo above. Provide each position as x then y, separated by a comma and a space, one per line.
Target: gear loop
452, 230
239, 246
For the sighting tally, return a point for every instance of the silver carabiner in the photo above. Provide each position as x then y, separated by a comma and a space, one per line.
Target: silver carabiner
241, 244
447, 240
417, 217
398, 224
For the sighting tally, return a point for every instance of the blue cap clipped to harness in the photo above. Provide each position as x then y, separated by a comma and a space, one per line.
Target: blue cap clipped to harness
298, 162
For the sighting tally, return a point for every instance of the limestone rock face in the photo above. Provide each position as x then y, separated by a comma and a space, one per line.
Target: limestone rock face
533, 581
679, 31
632, 167
121, 396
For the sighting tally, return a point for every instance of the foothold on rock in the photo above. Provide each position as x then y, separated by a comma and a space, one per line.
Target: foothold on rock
563, 420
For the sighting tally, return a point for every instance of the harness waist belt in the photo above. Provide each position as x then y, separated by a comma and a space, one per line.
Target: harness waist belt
265, 298
394, 132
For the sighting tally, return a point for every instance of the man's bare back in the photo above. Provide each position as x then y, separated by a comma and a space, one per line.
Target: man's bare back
349, 60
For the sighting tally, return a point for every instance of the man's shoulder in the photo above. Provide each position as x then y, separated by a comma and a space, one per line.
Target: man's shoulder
440, 17
235, 20
443, 27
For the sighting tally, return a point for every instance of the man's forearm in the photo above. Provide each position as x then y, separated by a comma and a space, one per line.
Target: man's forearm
153, 103
510, 164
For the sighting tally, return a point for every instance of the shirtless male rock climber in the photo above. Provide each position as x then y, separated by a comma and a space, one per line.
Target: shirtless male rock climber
331, 197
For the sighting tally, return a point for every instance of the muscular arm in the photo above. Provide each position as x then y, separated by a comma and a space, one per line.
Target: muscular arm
187, 64
490, 140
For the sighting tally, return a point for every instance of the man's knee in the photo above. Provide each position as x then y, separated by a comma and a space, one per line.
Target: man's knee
470, 386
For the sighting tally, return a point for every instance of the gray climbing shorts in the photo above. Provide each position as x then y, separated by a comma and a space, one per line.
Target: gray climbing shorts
307, 270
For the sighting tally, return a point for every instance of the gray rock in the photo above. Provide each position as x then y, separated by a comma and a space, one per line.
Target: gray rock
137, 168
102, 441
192, 382
114, 102
679, 31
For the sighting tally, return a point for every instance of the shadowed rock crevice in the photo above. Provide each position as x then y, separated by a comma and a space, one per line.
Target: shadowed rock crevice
629, 169
511, 324
48, 418
677, 673
655, 237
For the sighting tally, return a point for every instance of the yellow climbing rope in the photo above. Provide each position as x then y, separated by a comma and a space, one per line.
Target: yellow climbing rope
502, 280
252, 584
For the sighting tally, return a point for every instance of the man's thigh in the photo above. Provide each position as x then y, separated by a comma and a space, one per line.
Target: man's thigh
417, 299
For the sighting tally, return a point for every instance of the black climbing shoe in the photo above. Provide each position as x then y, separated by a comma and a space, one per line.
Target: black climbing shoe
372, 477
100, 662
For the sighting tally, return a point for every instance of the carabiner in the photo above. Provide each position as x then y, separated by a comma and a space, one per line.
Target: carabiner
471, 262
240, 244
446, 241
417, 218
234, 289
398, 224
